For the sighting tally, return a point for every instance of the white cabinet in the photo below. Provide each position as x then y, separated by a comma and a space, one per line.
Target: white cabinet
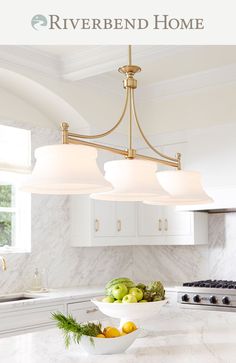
98, 223
150, 220
104, 218
84, 311
165, 226
113, 219
28, 318
125, 219
176, 223
160, 221
17, 320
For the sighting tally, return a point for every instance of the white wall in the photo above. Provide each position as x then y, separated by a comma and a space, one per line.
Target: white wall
203, 108
76, 102
15, 108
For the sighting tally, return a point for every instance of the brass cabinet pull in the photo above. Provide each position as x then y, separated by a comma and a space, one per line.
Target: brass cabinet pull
97, 225
89, 311
166, 225
159, 225
119, 225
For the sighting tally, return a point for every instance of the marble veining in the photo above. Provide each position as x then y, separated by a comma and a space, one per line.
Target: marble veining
222, 246
170, 263
179, 336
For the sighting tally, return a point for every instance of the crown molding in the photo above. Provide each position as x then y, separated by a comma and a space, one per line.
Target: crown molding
29, 57
91, 61
189, 84
87, 62
96, 60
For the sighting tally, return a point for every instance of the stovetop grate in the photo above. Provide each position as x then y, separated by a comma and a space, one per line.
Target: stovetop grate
223, 284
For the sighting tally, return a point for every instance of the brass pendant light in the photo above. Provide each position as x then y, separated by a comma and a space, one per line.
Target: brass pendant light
133, 178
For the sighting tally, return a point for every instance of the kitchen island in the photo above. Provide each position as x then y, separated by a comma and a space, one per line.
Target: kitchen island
176, 335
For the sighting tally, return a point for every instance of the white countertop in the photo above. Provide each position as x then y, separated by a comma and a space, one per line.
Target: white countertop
178, 336
57, 295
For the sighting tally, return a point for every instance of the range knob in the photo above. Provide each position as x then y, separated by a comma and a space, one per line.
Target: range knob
225, 300
196, 298
213, 300
185, 298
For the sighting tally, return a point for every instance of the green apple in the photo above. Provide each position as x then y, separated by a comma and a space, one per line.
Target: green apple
119, 291
143, 301
108, 299
135, 291
117, 301
129, 299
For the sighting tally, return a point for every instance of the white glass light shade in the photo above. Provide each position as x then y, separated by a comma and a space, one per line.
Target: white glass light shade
132, 180
183, 187
66, 169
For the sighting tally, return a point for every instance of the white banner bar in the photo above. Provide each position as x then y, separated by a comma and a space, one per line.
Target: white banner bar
118, 22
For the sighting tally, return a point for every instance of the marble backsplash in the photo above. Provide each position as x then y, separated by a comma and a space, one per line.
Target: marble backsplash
67, 266
222, 246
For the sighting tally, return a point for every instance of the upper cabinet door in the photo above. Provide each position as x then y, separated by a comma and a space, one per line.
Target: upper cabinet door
176, 223
150, 220
104, 219
125, 219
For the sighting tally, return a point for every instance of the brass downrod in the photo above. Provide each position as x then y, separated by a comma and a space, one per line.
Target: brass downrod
130, 55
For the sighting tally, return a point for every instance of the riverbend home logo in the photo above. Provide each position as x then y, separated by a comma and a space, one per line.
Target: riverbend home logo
39, 21
157, 22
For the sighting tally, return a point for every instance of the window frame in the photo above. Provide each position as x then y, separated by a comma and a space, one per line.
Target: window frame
22, 210
17, 140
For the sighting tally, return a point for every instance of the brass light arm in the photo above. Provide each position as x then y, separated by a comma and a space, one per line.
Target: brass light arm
77, 141
173, 164
125, 153
143, 135
97, 136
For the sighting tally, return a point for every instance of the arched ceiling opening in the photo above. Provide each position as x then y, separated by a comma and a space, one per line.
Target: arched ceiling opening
46, 101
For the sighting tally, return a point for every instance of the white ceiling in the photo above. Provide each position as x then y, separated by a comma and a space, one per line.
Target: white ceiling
167, 71
99, 64
59, 50
158, 63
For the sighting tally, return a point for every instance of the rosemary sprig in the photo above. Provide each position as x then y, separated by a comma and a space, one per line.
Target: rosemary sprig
73, 330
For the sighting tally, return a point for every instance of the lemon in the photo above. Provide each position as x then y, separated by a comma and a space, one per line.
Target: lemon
105, 330
100, 336
129, 327
111, 332
122, 334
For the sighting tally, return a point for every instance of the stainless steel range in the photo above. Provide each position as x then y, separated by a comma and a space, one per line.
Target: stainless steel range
208, 294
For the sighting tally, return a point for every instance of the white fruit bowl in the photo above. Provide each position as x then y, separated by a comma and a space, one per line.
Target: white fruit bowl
129, 312
108, 345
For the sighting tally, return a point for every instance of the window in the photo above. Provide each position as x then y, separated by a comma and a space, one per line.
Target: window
15, 206
7, 215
